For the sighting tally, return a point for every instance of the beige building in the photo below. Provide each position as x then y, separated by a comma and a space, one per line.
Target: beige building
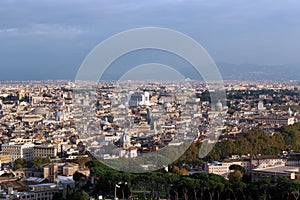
28, 172
50, 172
273, 172
267, 161
22, 140
285, 120
18, 151
70, 168
222, 168
249, 163
45, 151
43, 191
5, 159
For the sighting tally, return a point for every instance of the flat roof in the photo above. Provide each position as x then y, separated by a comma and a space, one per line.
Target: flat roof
278, 169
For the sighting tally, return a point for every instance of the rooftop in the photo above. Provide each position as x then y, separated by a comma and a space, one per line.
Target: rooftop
278, 169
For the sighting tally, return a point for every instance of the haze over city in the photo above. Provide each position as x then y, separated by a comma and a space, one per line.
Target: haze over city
160, 99
49, 39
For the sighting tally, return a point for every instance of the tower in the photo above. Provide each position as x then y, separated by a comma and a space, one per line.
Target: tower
260, 105
21, 94
125, 141
289, 112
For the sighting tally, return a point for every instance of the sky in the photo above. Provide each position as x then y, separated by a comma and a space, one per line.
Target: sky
49, 39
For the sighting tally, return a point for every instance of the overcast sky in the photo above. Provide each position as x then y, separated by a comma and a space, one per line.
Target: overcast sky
48, 39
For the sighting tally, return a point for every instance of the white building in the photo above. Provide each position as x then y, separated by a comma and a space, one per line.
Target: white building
128, 153
140, 99
126, 150
222, 168
260, 106
283, 120
273, 172
249, 163
16, 151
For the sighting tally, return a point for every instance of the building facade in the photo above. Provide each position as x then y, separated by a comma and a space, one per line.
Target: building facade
16, 151
45, 151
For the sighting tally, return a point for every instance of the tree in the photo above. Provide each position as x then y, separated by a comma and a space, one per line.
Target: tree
20, 163
131, 180
237, 167
38, 162
57, 196
18, 166
81, 160
180, 171
175, 170
195, 186
288, 187
235, 176
184, 171
186, 183
210, 183
97, 168
79, 178
80, 195
217, 183
291, 135
173, 180
190, 156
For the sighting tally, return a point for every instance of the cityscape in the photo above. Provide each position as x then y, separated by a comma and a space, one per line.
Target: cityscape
149, 100
51, 148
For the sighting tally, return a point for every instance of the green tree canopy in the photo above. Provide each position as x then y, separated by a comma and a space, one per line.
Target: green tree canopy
39, 161
235, 176
20, 163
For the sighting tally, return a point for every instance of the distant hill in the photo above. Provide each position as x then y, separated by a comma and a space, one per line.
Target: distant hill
230, 71
259, 72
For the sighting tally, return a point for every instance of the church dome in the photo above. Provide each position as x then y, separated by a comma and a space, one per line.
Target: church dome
167, 105
40, 111
219, 106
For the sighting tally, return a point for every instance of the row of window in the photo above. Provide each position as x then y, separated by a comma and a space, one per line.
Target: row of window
41, 196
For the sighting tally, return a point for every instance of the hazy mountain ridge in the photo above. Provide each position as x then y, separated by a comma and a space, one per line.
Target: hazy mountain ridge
247, 72
259, 72
228, 71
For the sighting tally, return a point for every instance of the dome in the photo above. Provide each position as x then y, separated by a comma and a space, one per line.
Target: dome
219, 106
167, 105
40, 111
121, 106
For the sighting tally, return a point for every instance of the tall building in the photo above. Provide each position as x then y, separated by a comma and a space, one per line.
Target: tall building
140, 99
274, 120
21, 94
1, 111
45, 151
260, 106
16, 151
50, 172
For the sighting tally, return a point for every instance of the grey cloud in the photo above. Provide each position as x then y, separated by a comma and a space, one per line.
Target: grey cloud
52, 30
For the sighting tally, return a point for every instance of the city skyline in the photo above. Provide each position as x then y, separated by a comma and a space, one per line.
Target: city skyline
161, 99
